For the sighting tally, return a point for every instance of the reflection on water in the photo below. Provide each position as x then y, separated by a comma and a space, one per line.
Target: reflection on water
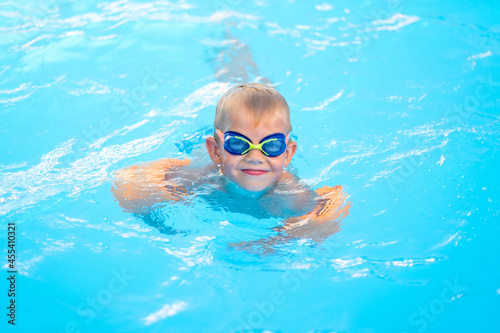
159, 219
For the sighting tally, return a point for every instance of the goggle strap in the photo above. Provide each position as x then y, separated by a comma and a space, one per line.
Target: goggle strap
220, 134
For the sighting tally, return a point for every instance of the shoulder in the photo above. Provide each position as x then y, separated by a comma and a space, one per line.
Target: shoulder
287, 178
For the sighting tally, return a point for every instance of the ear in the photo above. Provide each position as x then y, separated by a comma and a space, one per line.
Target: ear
289, 152
213, 150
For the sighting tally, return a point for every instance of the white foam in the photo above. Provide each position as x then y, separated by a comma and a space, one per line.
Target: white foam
166, 311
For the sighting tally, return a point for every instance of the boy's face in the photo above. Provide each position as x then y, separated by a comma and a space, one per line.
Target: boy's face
253, 171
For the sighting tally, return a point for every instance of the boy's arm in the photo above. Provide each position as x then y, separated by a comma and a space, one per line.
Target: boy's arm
141, 186
323, 221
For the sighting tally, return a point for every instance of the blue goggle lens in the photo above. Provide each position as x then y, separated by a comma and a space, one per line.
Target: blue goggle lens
274, 148
235, 145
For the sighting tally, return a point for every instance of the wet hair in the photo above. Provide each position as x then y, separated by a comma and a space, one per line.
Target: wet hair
256, 99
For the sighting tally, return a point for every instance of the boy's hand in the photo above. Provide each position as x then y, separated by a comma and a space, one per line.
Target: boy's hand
324, 219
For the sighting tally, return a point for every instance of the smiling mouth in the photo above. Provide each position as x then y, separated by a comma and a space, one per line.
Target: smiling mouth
253, 172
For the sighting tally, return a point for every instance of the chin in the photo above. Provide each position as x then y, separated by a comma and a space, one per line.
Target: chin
255, 188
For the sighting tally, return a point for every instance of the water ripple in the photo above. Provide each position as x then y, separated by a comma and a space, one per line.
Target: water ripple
45, 179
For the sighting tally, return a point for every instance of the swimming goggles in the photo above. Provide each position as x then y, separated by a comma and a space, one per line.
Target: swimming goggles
237, 144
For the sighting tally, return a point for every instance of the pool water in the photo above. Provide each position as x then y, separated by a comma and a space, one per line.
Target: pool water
397, 101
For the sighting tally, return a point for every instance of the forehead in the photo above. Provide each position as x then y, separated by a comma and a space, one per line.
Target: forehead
257, 128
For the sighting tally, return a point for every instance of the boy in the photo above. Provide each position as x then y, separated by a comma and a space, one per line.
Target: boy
251, 148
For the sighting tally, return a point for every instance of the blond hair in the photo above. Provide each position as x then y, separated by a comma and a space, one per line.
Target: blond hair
257, 99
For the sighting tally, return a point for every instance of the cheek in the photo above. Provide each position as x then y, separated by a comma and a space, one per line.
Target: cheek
230, 161
277, 164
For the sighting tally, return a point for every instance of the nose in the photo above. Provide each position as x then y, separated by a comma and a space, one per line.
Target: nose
255, 156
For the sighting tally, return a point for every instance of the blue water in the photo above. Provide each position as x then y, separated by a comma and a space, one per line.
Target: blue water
398, 102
